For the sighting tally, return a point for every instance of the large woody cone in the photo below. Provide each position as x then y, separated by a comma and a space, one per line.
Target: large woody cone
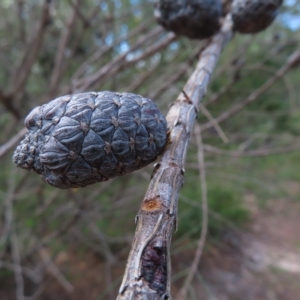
81, 139
252, 16
196, 19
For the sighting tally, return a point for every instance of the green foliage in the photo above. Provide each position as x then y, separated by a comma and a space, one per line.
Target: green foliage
225, 205
292, 123
4, 275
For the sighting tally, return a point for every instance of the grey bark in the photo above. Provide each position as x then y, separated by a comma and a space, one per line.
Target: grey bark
148, 271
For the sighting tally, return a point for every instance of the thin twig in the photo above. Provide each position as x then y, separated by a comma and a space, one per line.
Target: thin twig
11, 232
61, 51
17, 265
284, 79
54, 271
105, 250
211, 119
164, 82
29, 273
151, 50
22, 72
22, 23
86, 21
88, 82
91, 60
108, 280
292, 62
141, 79
12, 142
215, 96
212, 213
183, 291
8, 210
8, 103
259, 152
37, 293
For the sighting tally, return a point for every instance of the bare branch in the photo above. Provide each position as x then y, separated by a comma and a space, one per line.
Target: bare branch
61, 49
12, 142
21, 75
215, 96
98, 54
54, 271
8, 210
140, 80
237, 66
291, 62
22, 25
85, 20
182, 293
9, 105
17, 265
10, 231
211, 119
105, 250
169, 78
259, 152
32, 275
152, 49
147, 274
114, 66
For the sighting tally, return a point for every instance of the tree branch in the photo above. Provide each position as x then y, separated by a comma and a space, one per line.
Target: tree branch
9, 105
12, 142
60, 54
9, 232
163, 83
292, 62
258, 152
106, 71
92, 59
201, 242
148, 270
53, 270
211, 119
21, 75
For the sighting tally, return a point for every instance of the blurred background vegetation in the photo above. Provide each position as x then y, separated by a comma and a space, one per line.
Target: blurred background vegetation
73, 244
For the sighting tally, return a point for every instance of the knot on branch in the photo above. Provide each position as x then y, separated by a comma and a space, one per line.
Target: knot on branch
150, 205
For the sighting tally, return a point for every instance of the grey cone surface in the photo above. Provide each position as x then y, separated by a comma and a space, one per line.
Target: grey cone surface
81, 139
196, 19
252, 16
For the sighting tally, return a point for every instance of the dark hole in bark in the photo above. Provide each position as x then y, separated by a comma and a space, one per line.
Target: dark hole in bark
154, 268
